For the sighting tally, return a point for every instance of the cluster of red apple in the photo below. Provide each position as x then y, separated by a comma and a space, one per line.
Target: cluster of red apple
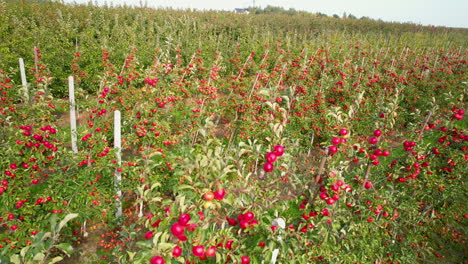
271, 157
245, 220
458, 113
336, 141
179, 227
218, 195
335, 188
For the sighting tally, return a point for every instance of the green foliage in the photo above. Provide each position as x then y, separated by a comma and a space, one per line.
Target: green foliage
205, 97
44, 243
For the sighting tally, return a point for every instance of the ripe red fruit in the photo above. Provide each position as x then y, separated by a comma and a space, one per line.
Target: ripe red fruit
249, 216
336, 197
332, 150
177, 229
208, 196
149, 235
182, 238
176, 252
211, 251
334, 188
184, 219
367, 185
245, 260
279, 150
344, 131
378, 152
198, 251
157, 260
268, 167
377, 132
323, 195
219, 194
228, 244
336, 141
373, 140
271, 157
231, 221
458, 116
243, 224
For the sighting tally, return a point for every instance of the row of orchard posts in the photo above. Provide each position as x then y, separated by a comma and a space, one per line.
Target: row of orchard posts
117, 142
117, 145
117, 130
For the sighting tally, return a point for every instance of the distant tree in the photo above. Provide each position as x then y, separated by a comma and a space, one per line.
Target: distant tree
291, 11
273, 10
351, 16
336, 16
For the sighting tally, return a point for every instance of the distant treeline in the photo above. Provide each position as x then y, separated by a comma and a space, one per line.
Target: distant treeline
269, 9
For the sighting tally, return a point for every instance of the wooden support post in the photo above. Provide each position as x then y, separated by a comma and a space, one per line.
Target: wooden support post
118, 176
24, 83
71, 92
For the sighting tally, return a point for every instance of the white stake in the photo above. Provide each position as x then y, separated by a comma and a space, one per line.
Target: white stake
71, 94
274, 256
140, 214
279, 222
118, 176
23, 79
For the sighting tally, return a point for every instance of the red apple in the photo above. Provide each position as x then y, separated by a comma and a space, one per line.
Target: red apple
176, 252
198, 251
157, 260
268, 167
344, 131
271, 157
279, 150
177, 229
219, 194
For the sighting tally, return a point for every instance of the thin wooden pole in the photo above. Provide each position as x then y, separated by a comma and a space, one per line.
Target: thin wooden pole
71, 92
118, 176
279, 222
24, 83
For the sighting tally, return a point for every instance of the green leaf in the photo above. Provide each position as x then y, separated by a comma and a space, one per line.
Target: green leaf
65, 220
66, 248
55, 260
53, 222
185, 186
39, 239
39, 257
131, 255
15, 259
144, 244
24, 251
218, 257
165, 246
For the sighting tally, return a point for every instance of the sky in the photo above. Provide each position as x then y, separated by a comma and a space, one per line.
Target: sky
449, 13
